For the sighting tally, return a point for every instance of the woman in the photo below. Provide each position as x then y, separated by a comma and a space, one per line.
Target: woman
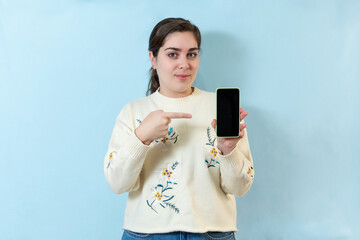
181, 179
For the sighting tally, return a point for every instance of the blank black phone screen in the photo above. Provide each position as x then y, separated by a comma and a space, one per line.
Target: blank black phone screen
228, 112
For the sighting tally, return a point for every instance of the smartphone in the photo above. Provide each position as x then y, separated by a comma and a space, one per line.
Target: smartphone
228, 112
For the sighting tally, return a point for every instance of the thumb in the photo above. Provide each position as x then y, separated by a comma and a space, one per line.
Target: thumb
213, 123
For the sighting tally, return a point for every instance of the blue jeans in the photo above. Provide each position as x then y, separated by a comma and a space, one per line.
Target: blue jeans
129, 235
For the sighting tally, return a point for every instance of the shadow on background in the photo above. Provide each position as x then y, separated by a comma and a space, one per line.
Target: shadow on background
272, 191
221, 62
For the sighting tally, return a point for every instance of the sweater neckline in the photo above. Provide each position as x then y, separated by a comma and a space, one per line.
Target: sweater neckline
169, 100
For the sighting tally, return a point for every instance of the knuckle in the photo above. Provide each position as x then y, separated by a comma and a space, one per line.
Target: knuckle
157, 112
164, 121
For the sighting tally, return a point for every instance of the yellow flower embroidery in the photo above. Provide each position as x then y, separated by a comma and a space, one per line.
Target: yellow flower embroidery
158, 196
164, 140
163, 193
167, 173
213, 151
111, 155
250, 171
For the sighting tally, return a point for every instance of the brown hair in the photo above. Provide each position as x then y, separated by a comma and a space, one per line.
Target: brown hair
157, 38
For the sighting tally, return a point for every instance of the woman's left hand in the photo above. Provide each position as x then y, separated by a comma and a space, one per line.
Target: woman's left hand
226, 145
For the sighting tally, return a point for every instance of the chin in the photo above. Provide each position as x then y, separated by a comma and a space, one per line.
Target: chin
184, 86
183, 89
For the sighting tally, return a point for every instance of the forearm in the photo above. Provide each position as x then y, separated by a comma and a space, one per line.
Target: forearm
122, 166
237, 171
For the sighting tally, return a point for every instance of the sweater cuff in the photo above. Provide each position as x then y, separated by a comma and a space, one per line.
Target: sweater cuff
233, 160
135, 148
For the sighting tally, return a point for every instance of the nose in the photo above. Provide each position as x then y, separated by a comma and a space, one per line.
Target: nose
184, 63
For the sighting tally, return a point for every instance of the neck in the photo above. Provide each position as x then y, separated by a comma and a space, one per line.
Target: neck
186, 93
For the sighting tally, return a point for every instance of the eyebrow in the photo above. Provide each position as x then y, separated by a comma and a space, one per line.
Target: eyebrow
179, 50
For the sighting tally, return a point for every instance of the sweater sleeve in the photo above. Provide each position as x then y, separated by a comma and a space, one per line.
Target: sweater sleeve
125, 156
236, 169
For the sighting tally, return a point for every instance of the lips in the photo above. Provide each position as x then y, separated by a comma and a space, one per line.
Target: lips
182, 76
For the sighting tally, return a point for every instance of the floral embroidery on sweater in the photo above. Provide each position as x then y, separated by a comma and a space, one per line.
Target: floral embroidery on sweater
211, 159
172, 136
111, 157
250, 171
162, 192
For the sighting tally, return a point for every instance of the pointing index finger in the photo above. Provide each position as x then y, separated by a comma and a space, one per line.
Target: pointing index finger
173, 115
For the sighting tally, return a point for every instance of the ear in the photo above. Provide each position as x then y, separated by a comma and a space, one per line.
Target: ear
152, 59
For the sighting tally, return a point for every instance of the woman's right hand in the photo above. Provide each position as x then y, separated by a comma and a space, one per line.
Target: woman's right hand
156, 125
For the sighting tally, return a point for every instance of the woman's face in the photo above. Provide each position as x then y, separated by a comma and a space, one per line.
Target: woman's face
176, 64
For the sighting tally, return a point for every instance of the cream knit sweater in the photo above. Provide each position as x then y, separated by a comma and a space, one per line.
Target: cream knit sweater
180, 182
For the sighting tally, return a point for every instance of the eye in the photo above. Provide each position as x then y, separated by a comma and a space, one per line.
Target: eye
192, 55
172, 55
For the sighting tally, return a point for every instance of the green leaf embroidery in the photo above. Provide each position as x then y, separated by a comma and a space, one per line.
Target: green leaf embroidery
168, 199
166, 189
159, 196
172, 206
150, 205
211, 143
209, 137
174, 165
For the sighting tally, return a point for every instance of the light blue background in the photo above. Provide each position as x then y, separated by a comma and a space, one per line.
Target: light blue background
67, 67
